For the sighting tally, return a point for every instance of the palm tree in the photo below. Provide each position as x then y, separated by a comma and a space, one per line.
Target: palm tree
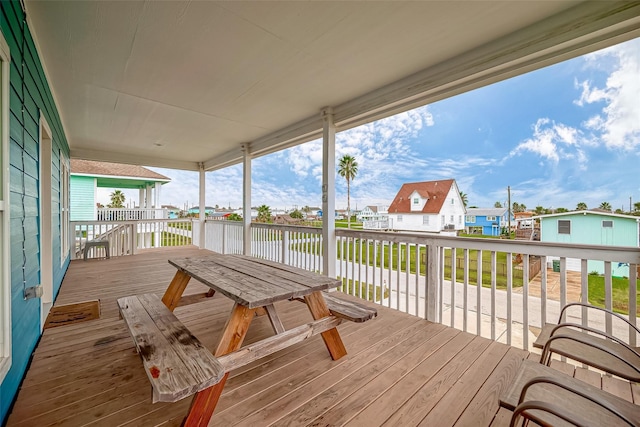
539, 210
497, 205
117, 199
582, 206
605, 206
519, 207
465, 199
264, 213
348, 169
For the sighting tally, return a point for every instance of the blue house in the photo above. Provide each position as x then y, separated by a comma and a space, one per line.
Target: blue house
486, 221
34, 199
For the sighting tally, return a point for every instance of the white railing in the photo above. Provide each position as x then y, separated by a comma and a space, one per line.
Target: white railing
127, 237
412, 272
377, 224
130, 214
225, 237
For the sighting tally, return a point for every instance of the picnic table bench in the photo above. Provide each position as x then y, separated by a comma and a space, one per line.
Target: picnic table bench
178, 365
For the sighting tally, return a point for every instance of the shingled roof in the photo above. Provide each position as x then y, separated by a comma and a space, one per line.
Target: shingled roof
89, 167
436, 191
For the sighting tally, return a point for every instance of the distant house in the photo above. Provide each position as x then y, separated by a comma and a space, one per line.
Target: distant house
486, 221
285, 219
172, 211
374, 217
592, 228
195, 210
431, 206
87, 176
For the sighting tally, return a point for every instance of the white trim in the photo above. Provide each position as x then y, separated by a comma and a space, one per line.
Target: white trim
45, 142
133, 178
5, 252
65, 204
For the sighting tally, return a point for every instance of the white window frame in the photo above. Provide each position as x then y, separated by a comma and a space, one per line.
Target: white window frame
416, 200
471, 219
5, 264
64, 207
425, 219
491, 218
567, 221
399, 218
610, 221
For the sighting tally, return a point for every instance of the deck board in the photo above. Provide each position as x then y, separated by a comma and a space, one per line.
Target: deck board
399, 370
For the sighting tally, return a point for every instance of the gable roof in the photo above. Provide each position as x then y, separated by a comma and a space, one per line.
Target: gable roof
90, 167
486, 211
436, 191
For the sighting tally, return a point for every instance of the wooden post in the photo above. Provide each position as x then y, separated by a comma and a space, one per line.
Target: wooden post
332, 340
205, 401
174, 292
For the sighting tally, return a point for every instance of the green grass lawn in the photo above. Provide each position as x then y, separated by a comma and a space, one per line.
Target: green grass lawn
362, 290
620, 297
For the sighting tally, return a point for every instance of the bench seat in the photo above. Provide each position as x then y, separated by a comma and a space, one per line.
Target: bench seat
177, 364
347, 310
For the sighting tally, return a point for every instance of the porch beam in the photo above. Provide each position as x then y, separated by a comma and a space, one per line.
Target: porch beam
127, 159
202, 205
246, 199
328, 193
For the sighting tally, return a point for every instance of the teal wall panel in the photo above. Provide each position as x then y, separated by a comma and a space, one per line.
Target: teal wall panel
82, 198
30, 96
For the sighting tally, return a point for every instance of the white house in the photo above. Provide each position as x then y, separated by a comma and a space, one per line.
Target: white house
374, 217
431, 206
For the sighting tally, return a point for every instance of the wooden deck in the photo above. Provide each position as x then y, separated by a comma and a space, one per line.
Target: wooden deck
400, 370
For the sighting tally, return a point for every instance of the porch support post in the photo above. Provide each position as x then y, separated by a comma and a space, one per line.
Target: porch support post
328, 193
246, 199
156, 194
147, 203
140, 198
201, 211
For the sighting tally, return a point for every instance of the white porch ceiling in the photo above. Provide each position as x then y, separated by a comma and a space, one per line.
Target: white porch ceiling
173, 84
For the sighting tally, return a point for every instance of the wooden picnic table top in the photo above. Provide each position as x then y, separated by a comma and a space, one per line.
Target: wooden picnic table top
252, 282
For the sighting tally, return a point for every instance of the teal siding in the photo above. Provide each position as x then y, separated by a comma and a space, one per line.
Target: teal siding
587, 229
82, 198
29, 94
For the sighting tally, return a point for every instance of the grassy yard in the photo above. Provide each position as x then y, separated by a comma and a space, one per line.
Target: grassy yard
620, 288
361, 290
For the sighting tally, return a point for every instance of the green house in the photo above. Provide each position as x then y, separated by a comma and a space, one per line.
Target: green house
87, 176
592, 228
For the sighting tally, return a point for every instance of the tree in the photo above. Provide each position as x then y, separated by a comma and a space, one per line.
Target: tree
234, 217
518, 207
348, 169
306, 209
582, 206
605, 206
619, 211
497, 205
296, 214
465, 199
264, 213
539, 210
561, 210
117, 199
636, 206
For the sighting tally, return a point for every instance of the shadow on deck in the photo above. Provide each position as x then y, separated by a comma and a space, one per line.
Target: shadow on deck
400, 370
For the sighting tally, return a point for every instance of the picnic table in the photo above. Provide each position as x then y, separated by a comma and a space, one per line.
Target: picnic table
177, 366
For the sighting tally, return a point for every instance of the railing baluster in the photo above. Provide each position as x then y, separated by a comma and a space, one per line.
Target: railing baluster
479, 293
454, 271
509, 296
543, 291
633, 304
608, 295
417, 261
525, 301
406, 274
465, 298
494, 267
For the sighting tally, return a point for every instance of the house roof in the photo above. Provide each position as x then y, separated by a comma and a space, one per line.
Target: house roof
589, 212
486, 211
89, 167
436, 190
142, 90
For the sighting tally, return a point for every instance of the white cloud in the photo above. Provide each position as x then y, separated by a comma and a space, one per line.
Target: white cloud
618, 124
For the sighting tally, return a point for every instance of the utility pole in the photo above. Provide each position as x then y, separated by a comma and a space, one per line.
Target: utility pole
509, 209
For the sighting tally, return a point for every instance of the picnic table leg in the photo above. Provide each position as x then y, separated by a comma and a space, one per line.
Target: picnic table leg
174, 292
205, 401
332, 340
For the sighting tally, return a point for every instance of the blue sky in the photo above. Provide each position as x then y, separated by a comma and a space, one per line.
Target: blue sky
565, 134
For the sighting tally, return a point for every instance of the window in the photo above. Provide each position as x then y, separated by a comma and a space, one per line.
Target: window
5, 267
491, 218
460, 219
607, 224
442, 219
64, 208
451, 218
416, 200
564, 226
470, 218
452, 201
399, 218
425, 220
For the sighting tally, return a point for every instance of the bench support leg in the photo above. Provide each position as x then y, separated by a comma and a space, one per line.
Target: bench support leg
205, 401
332, 340
174, 292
